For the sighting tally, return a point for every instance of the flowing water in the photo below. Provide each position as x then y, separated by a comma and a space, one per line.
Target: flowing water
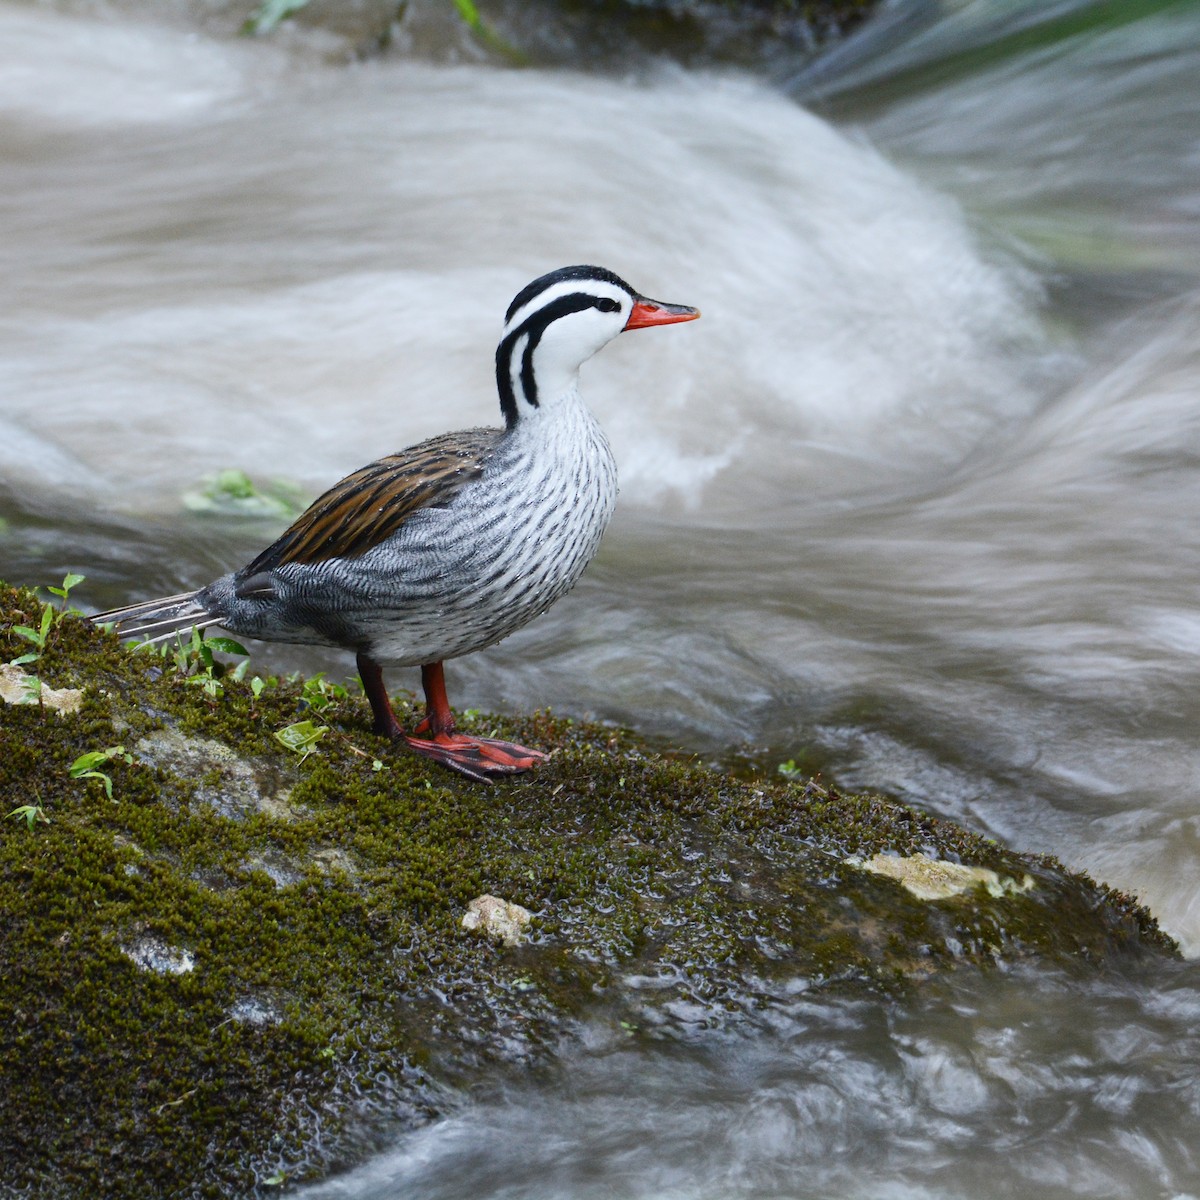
914, 504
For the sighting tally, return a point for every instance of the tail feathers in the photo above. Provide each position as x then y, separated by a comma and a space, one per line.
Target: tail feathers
158, 620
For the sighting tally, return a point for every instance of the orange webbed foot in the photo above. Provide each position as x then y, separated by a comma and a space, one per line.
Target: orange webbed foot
481, 759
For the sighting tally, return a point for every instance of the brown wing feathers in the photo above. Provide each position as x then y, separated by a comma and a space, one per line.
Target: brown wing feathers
371, 504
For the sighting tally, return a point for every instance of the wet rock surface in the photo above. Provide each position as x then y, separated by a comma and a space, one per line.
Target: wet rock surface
250, 964
615, 34
598, 34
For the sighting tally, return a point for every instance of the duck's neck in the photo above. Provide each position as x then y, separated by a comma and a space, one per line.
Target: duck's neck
534, 375
564, 415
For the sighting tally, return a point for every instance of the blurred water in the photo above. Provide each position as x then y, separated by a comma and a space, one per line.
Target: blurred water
914, 503
969, 1094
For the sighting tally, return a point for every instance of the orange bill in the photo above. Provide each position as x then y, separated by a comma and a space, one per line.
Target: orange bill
655, 312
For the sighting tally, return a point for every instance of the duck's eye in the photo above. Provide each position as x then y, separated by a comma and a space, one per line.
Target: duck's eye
606, 304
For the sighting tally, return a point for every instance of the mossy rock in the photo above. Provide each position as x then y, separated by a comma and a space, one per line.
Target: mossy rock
213, 983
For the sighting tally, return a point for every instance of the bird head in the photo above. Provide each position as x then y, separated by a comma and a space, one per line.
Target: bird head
556, 323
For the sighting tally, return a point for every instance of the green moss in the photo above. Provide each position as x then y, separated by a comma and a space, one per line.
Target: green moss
319, 902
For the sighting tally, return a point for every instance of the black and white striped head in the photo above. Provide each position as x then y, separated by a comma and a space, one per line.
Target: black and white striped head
557, 323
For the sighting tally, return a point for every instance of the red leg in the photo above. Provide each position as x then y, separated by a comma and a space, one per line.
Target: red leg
371, 674
438, 717
476, 758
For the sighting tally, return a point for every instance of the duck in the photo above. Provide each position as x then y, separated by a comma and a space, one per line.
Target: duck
454, 543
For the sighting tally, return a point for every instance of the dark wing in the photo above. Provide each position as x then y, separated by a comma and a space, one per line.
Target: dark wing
372, 503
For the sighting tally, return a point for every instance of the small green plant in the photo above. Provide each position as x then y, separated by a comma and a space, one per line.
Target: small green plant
36, 637
789, 770
211, 670
39, 638
32, 813
85, 766
302, 737
320, 695
233, 493
468, 10
193, 659
69, 581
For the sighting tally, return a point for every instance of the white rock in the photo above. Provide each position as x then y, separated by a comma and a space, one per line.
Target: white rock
497, 918
934, 879
153, 954
15, 688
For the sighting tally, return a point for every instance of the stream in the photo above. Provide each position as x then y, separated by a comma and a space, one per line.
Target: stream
914, 505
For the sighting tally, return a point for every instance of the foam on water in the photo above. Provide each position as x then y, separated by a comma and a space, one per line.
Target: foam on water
183, 301
89, 74
986, 1093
